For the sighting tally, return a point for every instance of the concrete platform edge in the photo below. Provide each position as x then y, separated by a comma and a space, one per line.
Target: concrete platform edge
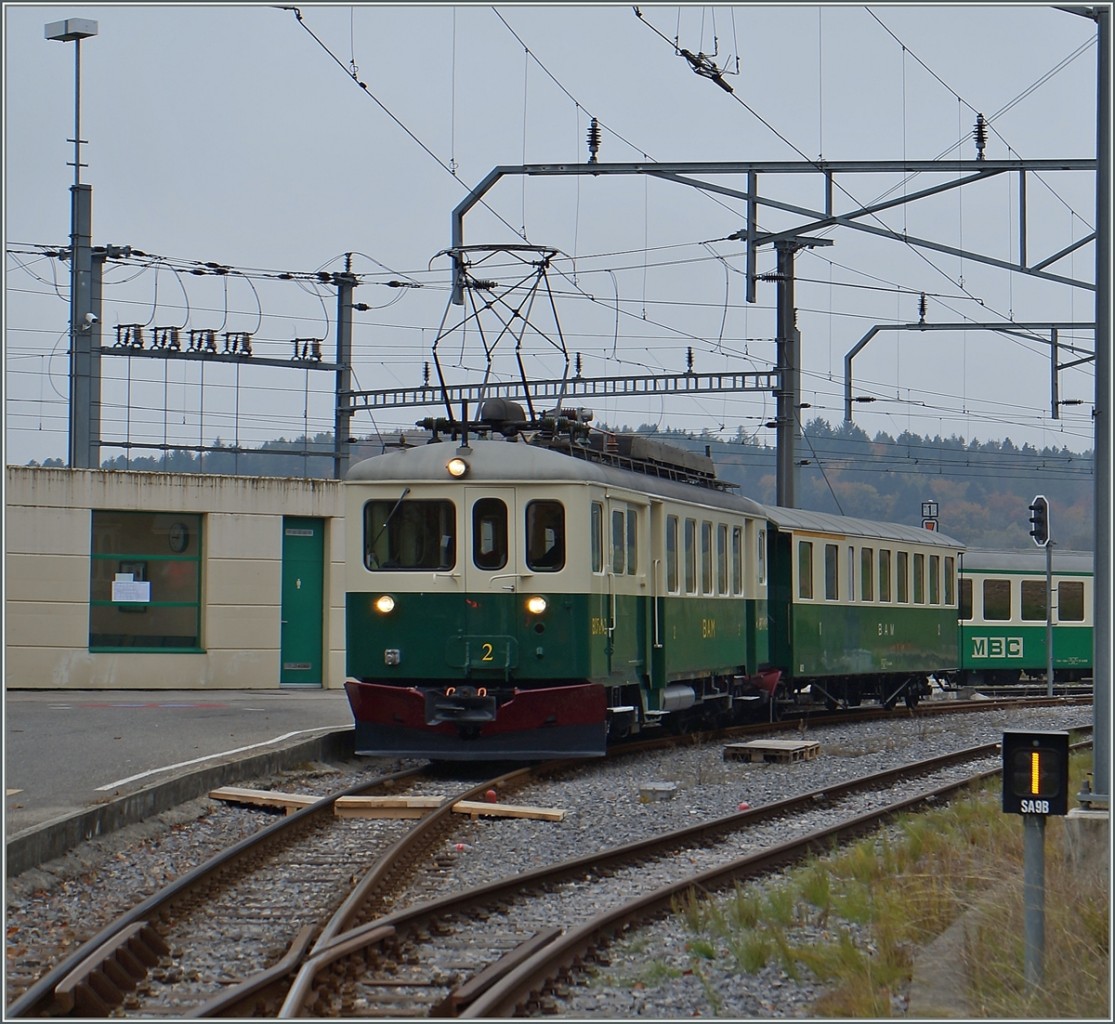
35, 846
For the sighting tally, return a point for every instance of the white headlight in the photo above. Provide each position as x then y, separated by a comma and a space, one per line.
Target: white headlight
384, 604
536, 605
457, 467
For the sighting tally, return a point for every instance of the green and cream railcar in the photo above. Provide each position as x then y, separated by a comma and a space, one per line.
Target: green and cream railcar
509, 600
861, 609
1003, 618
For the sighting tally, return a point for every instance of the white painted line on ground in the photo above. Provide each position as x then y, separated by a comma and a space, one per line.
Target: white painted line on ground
208, 757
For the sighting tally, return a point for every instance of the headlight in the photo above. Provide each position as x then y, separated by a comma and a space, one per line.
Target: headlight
457, 467
536, 605
384, 604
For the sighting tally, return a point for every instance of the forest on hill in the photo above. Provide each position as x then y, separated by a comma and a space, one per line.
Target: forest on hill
982, 489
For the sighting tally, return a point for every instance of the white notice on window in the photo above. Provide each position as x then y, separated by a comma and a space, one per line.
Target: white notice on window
125, 587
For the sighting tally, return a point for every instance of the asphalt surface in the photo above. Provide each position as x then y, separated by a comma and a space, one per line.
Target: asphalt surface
82, 763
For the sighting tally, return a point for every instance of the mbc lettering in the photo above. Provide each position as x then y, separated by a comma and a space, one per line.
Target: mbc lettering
997, 647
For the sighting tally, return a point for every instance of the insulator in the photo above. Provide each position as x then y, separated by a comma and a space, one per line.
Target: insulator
922, 308
593, 140
979, 133
482, 286
577, 364
689, 359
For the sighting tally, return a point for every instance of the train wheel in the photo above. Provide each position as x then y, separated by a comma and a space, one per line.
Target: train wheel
912, 698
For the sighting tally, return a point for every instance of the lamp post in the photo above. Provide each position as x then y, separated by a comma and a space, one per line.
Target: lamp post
84, 324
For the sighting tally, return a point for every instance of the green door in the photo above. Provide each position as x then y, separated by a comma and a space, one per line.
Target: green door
300, 643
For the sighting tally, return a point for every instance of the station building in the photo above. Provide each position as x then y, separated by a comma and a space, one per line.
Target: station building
138, 580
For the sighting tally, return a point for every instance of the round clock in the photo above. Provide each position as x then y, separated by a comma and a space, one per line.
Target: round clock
179, 537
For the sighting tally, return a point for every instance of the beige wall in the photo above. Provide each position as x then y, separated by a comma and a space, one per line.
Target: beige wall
46, 576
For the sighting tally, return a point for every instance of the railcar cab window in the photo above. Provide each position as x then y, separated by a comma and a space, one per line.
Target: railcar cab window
489, 534
545, 536
409, 534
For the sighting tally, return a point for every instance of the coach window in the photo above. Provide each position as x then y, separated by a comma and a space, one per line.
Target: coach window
805, 569
1070, 601
545, 536
902, 571
721, 558
761, 557
691, 556
950, 580
884, 574
145, 581
919, 579
866, 574
851, 573
832, 572
706, 558
489, 533
596, 530
934, 579
996, 600
415, 534
1033, 600
966, 600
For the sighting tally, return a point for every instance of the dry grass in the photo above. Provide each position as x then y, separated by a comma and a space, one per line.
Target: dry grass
857, 919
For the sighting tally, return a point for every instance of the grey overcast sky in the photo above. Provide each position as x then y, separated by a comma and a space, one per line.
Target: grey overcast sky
251, 138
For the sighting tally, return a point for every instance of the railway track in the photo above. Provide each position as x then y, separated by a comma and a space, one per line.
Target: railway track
277, 901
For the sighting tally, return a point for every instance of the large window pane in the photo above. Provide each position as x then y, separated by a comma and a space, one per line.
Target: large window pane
1070, 601
145, 581
405, 535
1033, 600
996, 600
489, 533
545, 536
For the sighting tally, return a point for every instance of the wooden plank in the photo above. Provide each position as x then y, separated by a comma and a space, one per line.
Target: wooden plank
477, 809
385, 806
263, 798
772, 750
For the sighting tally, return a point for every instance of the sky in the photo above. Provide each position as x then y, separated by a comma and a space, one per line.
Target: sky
273, 141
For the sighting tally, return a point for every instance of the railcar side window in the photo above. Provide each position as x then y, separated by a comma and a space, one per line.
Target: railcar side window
761, 557
934, 579
1070, 601
706, 558
851, 573
884, 575
691, 556
672, 554
618, 549
409, 534
902, 571
489, 533
545, 536
145, 581
721, 558
832, 557
1033, 600
950, 579
805, 569
737, 560
996, 600
596, 528
866, 574
966, 600
632, 542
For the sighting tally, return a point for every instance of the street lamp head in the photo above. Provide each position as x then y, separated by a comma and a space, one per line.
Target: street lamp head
71, 29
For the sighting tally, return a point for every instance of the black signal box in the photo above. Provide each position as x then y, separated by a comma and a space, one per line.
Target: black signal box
1035, 773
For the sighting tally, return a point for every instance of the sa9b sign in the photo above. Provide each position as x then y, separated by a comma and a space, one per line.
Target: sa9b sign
1035, 773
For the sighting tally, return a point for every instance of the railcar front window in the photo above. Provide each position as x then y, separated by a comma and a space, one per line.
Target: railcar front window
409, 535
545, 536
996, 600
1070, 601
489, 533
